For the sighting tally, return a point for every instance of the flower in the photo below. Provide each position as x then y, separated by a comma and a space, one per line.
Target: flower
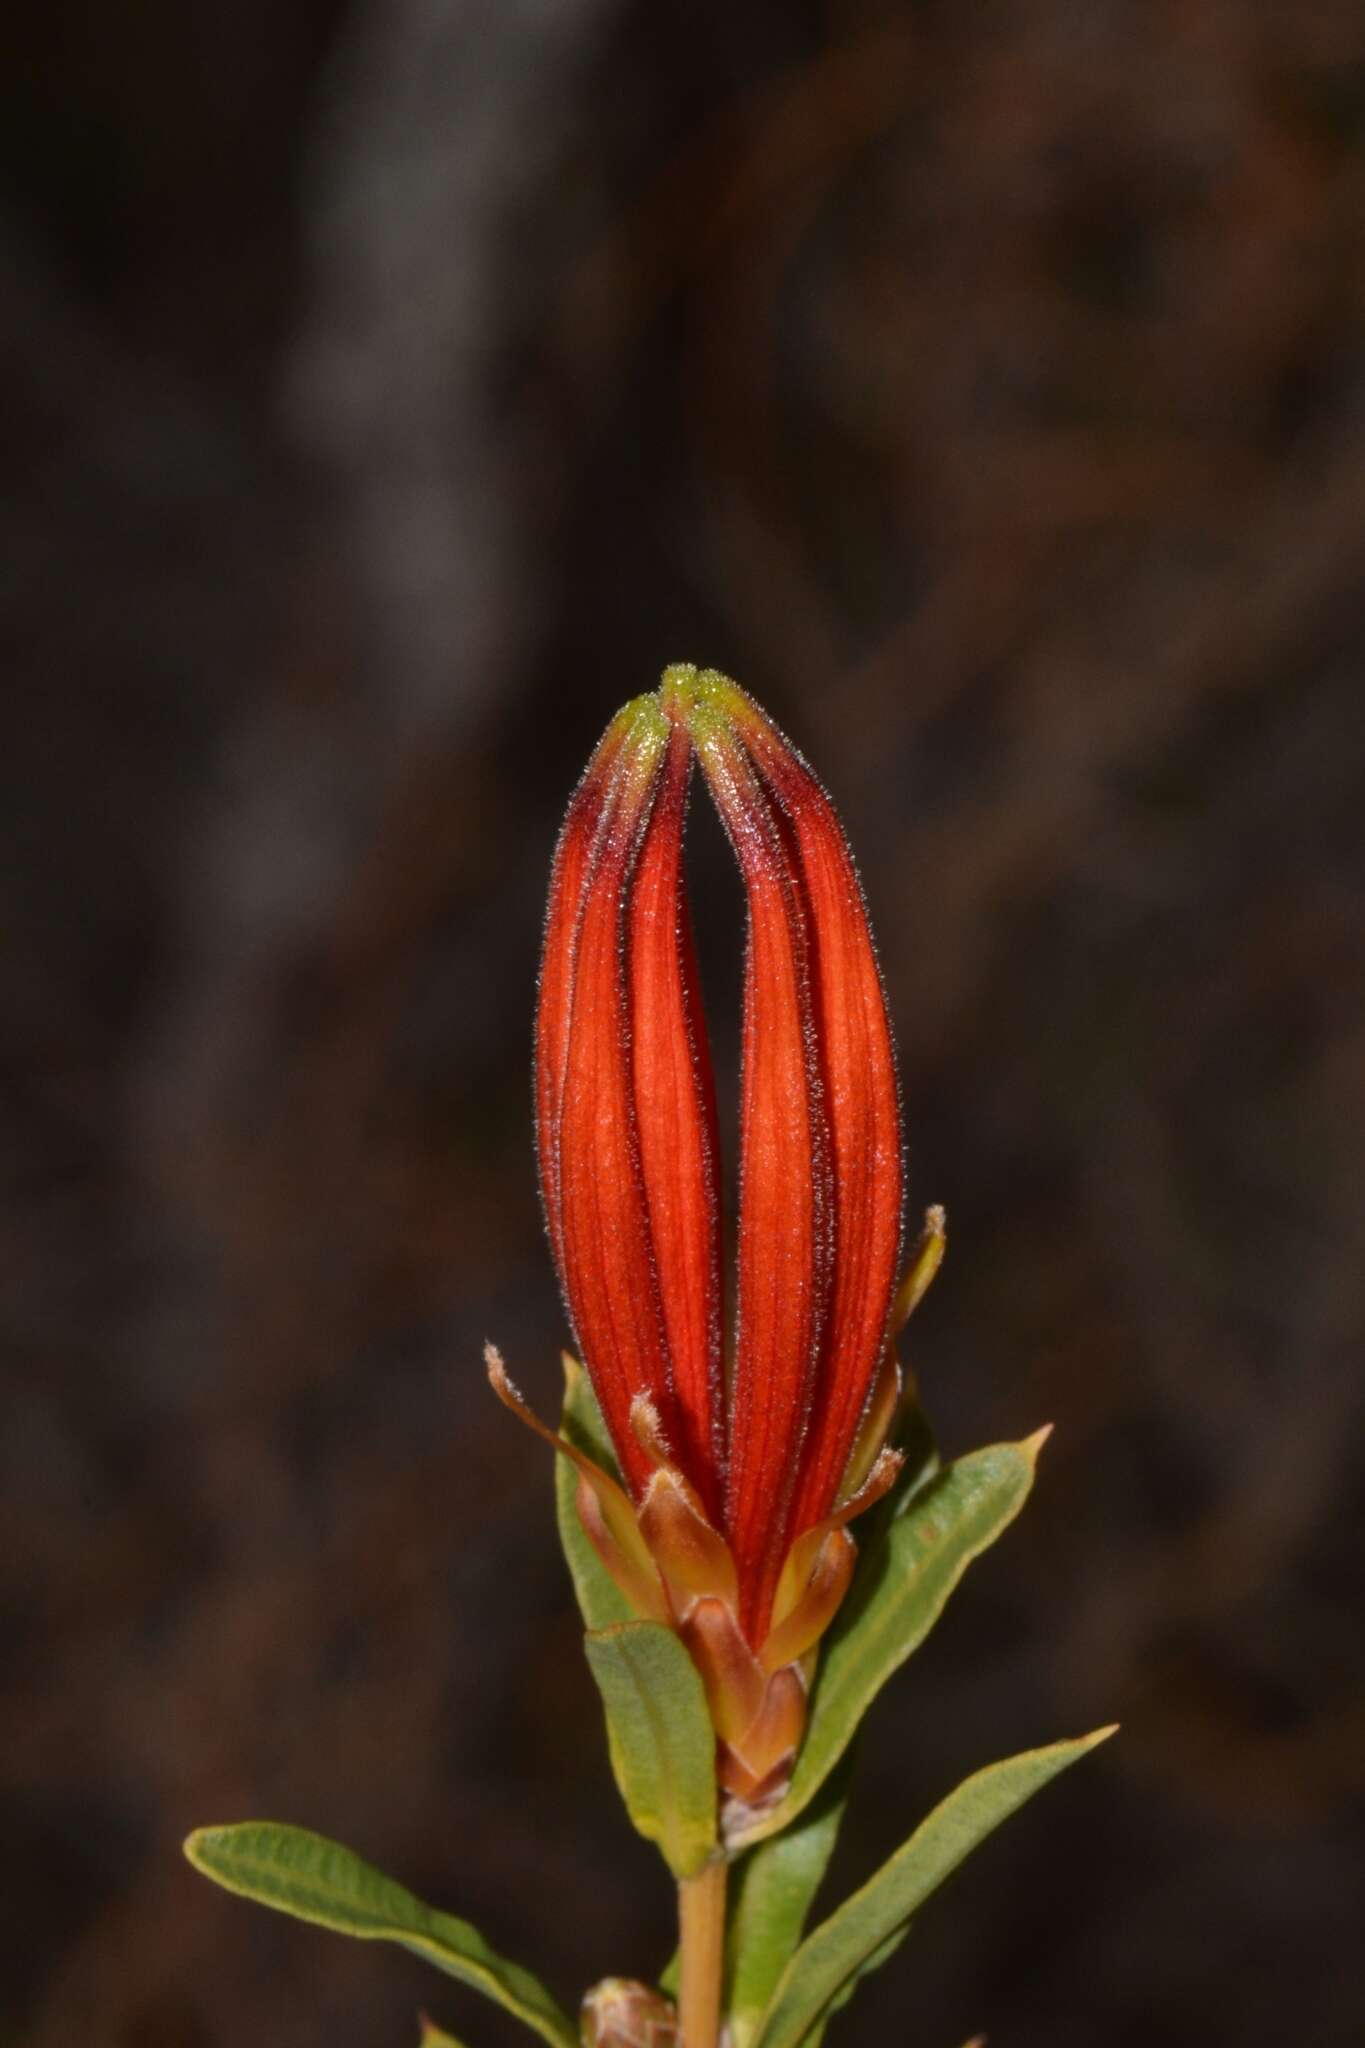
740, 1472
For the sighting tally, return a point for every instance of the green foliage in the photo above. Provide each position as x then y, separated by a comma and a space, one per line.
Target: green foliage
301, 1873
781, 1990
772, 1889
870, 1925
905, 1576
663, 1747
600, 1600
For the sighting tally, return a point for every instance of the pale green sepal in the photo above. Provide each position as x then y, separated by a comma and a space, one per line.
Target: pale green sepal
315, 1879
663, 1746
772, 1889
869, 1926
905, 1576
600, 1600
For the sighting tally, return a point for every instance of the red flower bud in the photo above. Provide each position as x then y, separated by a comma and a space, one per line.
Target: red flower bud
742, 1478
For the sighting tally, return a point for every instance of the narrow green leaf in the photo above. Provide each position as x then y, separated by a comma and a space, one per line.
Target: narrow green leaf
600, 1600
772, 1889
905, 1576
318, 1880
870, 1925
663, 1747
881, 1954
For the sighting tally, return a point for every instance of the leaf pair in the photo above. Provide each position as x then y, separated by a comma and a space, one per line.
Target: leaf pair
772, 2004
781, 1990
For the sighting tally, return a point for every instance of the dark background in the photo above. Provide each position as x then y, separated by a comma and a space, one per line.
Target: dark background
388, 391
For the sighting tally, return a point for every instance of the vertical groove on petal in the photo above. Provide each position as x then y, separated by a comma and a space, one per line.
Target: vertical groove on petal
784, 1235
675, 1114
575, 854
857, 1062
589, 1144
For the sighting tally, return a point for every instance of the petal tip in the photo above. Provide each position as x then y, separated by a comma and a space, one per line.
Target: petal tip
678, 690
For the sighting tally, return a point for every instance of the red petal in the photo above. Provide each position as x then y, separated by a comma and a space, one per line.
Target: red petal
676, 1123
857, 1063
578, 848
590, 1158
784, 1244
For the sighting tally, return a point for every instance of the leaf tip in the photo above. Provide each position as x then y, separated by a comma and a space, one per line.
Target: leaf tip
573, 1373
1032, 1445
193, 1848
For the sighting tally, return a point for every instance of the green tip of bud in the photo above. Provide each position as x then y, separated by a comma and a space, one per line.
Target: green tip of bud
634, 740
705, 701
678, 688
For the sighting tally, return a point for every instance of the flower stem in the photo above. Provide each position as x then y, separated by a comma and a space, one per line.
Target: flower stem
701, 1941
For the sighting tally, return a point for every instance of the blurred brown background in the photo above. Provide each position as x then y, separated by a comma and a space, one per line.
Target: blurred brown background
389, 390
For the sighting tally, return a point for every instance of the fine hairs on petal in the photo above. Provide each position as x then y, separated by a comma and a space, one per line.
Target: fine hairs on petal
648, 1430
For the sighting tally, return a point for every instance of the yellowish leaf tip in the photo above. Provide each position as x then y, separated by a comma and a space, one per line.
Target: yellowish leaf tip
1033, 1444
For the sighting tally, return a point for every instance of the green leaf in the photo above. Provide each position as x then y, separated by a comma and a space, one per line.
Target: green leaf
314, 1879
773, 1886
870, 1925
663, 1747
905, 1576
881, 1954
601, 1601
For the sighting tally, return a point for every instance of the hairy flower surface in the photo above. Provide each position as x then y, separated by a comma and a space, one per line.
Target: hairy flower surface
741, 1463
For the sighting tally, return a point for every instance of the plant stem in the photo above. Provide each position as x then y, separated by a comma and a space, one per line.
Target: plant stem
701, 1943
